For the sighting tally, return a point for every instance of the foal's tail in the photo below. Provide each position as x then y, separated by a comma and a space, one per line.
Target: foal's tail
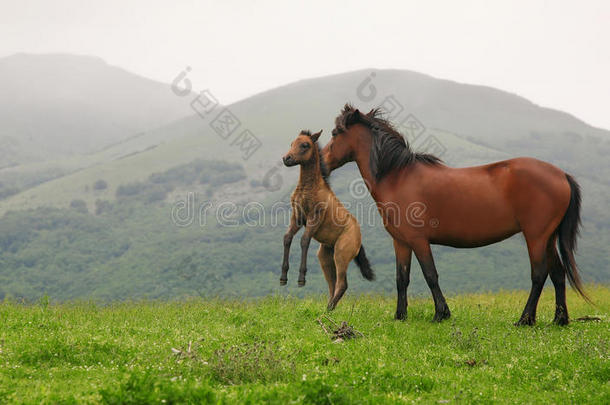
567, 232
365, 267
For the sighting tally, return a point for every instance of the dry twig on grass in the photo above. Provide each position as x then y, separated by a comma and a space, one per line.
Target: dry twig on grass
338, 332
588, 318
188, 353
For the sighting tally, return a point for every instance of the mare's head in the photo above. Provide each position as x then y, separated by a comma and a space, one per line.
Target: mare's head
356, 132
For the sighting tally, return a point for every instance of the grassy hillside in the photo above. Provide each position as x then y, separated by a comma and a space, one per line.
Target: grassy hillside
273, 351
132, 248
155, 152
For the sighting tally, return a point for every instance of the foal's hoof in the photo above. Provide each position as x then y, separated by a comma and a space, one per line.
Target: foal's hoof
283, 281
301, 283
330, 306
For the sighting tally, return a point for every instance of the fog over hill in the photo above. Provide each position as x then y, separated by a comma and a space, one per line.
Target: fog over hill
106, 197
58, 105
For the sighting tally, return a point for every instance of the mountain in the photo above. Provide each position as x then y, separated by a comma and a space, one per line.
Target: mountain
58, 105
70, 238
486, 123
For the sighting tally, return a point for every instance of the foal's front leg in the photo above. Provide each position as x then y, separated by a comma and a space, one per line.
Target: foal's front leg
292, 229
311, 228
305, 240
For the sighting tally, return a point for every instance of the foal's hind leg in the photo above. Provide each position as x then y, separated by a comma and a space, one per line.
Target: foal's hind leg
346, 248
327, 262
558, 277
426, 261
540, 271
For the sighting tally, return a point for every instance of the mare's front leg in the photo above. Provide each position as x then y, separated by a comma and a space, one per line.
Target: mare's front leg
426, 261
292, 230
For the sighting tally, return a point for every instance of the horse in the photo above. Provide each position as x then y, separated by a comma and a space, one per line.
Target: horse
315, 207
462, 207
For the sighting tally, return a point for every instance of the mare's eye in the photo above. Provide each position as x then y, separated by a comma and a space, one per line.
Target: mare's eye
304, 146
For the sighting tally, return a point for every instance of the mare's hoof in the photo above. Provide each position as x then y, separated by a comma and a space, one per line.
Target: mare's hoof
526, 321
561, 316
301, 283
283, 281
440, 316
400, 316
561, 320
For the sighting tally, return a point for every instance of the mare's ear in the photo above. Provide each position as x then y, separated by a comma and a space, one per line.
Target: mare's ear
353, 117
314, 137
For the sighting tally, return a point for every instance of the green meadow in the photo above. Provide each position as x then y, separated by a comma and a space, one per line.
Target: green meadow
273, 350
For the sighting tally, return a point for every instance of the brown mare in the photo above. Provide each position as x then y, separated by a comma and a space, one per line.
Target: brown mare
462, 207
316, 207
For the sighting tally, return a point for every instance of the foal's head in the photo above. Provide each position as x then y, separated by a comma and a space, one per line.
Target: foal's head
303, 149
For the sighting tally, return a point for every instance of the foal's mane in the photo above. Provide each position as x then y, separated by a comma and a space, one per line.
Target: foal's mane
390, 150
323, 168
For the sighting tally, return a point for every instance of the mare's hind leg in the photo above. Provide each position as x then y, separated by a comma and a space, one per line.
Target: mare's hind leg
327, 262
346, 248
403, 271
558, 277
539, 272
426, 261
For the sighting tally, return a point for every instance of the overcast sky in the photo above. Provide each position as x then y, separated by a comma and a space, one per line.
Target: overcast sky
555, 53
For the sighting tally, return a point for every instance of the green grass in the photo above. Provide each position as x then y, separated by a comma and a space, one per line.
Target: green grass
272, 350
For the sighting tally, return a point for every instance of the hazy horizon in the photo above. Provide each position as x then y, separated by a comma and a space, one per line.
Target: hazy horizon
553, 54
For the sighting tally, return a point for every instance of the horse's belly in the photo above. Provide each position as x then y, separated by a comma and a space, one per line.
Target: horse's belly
328, 235
475, 226
461, 241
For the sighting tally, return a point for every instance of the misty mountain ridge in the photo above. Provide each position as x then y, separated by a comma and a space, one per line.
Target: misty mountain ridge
57, 105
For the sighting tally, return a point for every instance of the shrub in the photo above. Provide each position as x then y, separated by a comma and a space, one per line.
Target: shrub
102, 206
246, 363
100, 185
156, 195
79, 205
131, 189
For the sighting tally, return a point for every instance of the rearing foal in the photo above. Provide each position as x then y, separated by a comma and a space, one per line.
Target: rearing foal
424, 202
315, 206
